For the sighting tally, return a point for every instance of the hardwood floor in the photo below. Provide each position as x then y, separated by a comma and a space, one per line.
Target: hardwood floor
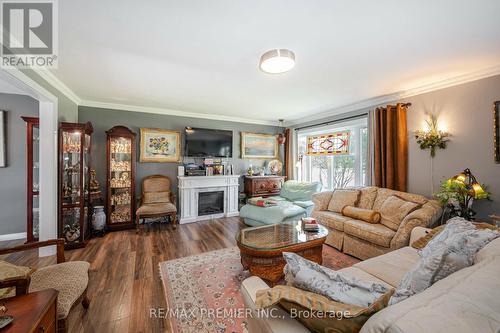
125, 280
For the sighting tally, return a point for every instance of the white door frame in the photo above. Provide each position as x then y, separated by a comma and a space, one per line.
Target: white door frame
48, 114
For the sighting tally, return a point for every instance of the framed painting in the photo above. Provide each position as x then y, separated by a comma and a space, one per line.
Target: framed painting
161, 146
255, 145
496, 131
3, 139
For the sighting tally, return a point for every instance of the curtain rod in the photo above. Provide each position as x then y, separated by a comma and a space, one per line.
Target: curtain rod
341, 119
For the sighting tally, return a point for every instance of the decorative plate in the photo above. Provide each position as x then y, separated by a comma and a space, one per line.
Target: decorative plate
275, 167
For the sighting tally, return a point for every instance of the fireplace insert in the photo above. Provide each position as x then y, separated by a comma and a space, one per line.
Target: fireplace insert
210, 203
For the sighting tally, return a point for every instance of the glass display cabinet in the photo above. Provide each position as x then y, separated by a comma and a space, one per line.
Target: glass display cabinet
74, 183
32, 179
120, 178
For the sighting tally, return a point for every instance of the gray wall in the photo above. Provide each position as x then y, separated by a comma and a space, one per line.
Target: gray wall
467, 113
13, 177
103, 119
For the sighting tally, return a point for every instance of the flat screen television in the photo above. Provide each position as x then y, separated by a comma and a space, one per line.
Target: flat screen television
203, 142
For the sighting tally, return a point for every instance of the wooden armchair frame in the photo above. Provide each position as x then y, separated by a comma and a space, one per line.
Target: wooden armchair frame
171, 215
22, 284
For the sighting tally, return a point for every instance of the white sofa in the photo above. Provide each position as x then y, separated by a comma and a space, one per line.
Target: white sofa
466, 301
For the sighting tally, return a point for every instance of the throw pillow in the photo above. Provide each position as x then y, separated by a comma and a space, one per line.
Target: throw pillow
307, 275
366, 215
317, 312
156, 197
422, 241
8, 270
394, 210
452, 249
342, 198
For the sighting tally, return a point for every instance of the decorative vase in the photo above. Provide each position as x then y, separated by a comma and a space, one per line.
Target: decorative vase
99, 219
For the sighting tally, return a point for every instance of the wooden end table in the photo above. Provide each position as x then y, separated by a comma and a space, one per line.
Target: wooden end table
33, 312
262, 248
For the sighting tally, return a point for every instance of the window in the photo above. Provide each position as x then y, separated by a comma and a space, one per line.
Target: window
334, 155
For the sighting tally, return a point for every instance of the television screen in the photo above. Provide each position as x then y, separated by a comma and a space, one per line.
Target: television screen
202, 142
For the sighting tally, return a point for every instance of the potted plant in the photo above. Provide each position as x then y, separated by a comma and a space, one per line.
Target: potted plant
457, 194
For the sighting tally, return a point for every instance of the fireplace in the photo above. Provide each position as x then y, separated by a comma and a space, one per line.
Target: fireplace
210, 203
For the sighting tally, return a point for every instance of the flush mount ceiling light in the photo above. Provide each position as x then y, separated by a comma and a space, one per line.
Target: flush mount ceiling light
277, 61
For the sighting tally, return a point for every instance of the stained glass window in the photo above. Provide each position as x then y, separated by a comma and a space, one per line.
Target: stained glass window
328, 144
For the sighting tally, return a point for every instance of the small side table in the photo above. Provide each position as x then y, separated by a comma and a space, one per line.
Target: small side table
33, 312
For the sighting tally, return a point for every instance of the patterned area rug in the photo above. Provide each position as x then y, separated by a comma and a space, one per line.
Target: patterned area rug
203, 291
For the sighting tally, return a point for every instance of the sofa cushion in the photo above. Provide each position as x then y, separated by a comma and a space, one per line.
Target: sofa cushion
274, 214
491, 250
70, 279
384, 193
342, 198
293, 190
394, 210
374, 233
392, 266
366, 215
331, 219
367, 197
357, 273
467, 301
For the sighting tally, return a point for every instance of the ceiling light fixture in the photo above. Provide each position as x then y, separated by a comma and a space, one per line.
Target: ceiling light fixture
277, 61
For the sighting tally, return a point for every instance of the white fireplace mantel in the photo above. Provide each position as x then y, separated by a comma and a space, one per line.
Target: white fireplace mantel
189, 187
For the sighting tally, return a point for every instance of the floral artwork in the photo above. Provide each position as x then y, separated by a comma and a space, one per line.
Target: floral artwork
159, 145
329, 144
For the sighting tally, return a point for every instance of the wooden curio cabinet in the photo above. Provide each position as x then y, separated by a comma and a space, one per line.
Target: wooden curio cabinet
32, 178
74, 183
120, 178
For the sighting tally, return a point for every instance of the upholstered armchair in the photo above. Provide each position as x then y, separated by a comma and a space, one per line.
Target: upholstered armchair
70, 279
157, 200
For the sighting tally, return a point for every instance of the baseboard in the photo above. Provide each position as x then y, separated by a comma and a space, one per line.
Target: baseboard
7, 237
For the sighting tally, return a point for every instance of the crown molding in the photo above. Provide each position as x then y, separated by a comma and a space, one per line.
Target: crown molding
58, 84
171, 112
379, 100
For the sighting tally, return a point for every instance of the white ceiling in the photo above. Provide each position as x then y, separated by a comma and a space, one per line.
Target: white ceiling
202, 56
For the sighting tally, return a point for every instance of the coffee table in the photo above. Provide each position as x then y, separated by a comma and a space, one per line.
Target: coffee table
262, 248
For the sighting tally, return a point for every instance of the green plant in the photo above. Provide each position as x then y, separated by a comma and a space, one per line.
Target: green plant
432, 138
458, 196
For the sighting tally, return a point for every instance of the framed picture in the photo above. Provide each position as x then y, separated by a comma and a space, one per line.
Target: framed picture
3, 139
254, 145
158, 145
496, 131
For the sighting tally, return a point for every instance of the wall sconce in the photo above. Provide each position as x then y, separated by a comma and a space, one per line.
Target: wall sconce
299, 161
281, 136
431, 137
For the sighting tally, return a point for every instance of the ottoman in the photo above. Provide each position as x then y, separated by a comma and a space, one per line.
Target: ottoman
283, 212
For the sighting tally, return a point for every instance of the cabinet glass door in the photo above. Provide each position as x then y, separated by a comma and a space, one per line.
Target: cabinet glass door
120, 179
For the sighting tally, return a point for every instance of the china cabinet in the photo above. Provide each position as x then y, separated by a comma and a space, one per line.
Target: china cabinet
120, 178
32, 180
74, 183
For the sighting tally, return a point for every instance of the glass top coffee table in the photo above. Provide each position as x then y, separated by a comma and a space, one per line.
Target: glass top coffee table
262, 248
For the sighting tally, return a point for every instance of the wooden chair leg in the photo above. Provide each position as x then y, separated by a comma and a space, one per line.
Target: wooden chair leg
137, 224
85, 300
62, 325
174, 220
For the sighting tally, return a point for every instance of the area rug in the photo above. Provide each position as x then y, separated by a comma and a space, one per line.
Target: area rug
203, 291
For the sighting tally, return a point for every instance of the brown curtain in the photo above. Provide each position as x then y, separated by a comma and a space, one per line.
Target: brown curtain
288, 154
391, 147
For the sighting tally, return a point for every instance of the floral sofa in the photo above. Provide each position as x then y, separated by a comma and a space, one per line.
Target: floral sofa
365, 240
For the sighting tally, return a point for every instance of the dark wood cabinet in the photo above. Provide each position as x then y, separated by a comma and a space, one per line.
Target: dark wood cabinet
120, 178
32, 180
74, 183
262, 186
